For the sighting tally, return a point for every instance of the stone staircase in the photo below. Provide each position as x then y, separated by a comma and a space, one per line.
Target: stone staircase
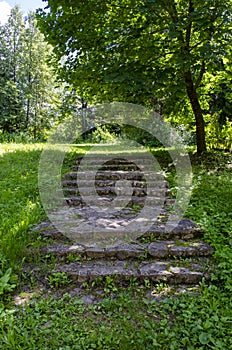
123, 227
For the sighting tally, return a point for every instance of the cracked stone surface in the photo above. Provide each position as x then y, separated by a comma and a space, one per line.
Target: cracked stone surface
158, 249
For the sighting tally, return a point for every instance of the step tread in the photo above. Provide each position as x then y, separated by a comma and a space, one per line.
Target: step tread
114, 172
156, 271
104, 166
108, 197
122, 159
114, 188
116, 229
111, 183
160, 249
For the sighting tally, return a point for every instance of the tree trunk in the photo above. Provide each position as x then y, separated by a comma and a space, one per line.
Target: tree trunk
200, 125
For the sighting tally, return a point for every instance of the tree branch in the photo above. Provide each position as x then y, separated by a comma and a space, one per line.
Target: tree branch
189, 28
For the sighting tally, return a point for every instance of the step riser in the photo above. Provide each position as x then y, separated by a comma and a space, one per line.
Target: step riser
101, 160
154, 233
155, 278
156, 250
157, 192
156, 272
83, 183
119, 167
116, 176
114, 201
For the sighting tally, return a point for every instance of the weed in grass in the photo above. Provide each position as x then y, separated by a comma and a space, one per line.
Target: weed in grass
161, 289
59, 279
110, 285
147, 283
134, 282
136, 208
6, 281
148, 239
71, 258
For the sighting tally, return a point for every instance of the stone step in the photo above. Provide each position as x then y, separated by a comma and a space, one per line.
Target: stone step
155, 271
158, 250
114, 190
112, 167
114, 175
107, 230
117, 223
111, 183
118, 201
117, 160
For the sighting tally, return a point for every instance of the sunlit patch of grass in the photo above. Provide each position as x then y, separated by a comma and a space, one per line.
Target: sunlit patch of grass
19, 201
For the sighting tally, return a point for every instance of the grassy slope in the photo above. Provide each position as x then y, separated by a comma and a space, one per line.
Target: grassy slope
129, 322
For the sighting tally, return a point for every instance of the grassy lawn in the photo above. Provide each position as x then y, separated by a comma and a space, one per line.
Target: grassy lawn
127, 321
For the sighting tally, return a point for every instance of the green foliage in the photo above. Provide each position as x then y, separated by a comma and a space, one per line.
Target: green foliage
100, 134
219, 136
175, 323
155, 53
19, 202
140, 136
58, 279
28, 97
210, 206
10, 65
118, 133
6, 280
20, 137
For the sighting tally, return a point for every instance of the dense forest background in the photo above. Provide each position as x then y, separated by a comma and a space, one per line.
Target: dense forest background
32, 98
174, 60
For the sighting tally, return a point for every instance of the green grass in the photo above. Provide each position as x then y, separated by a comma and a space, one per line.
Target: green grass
124, 323
211, 208
19, 202
20, 206
127, 321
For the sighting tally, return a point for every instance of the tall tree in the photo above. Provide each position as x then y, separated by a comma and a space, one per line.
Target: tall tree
140, 50
29, 100
11, 54
40, 95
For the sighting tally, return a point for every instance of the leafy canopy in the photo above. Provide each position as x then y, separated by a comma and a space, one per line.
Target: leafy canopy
141, 46
155, 52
